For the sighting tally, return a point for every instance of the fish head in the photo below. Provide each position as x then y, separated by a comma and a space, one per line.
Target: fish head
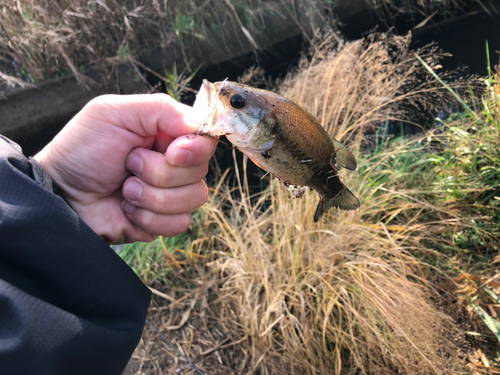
237, 111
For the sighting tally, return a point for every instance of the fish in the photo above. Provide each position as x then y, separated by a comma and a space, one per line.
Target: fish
281, 138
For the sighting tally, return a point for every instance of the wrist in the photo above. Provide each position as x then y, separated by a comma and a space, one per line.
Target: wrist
44, 171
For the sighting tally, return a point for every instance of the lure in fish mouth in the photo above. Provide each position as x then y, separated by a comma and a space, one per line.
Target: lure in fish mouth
281, 138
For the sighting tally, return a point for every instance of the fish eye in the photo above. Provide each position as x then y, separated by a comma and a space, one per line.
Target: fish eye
237, 101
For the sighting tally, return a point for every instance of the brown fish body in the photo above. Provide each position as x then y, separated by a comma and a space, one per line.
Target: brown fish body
301, 148
281, 138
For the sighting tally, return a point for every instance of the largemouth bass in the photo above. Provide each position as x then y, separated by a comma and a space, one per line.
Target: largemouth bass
281, 138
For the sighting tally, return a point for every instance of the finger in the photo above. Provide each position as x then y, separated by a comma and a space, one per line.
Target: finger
158, 170
134, 233
191, 150
164, 225
147, 114
154, 169
162, 141
165, 201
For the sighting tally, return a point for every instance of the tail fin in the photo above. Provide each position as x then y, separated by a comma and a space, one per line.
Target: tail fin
342, 157
345, 201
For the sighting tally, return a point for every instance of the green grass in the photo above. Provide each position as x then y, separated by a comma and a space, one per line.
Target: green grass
152, 261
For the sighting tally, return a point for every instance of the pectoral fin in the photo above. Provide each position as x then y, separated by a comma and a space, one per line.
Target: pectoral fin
342, 157
296, 191
344, 200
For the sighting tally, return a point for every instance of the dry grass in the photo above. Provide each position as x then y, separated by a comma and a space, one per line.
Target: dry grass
287, 296
45, 39
368, 82
284, 295
340, 297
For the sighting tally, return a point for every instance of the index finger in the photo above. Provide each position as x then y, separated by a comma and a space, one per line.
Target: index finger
149, 114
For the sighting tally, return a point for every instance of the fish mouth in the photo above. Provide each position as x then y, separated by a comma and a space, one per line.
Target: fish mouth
214, 115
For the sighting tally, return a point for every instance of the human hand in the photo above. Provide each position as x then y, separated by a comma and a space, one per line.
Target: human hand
127, 168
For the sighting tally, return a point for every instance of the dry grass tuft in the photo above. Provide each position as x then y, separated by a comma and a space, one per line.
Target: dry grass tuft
339, 297
361, 84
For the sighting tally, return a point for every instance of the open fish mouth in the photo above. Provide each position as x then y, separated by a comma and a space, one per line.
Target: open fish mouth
214, 114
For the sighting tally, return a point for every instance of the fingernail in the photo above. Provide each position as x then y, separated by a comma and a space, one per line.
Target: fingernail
134, 164
128, 207
132, 191
181, 157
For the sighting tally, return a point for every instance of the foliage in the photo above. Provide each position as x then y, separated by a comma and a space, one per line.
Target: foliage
281, 294
150, 260
177, 84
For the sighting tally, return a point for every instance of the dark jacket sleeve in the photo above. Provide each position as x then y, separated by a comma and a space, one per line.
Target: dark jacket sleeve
68, 303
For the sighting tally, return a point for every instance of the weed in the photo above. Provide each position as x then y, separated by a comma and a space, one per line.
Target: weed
177, 84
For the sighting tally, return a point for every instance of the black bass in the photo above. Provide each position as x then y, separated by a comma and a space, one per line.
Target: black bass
281, 138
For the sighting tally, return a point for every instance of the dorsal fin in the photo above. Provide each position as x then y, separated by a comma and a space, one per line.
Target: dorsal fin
342, 157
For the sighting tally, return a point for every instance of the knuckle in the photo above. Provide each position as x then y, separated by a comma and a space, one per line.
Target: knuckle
147, 219
164, 201
204, 169
100, 101
179, 224
202, 193
145, 237
162, 173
